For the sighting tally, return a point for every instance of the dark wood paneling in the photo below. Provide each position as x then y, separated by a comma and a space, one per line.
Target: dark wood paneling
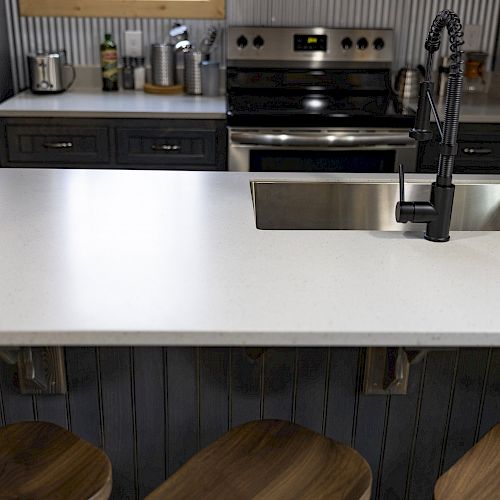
214, 394
312, 371
182, 405
149, 397
157, 406
432, 424
465, 405
490, 414
279, 375
399, 438
83, 393
246, 387
52, 408
117, 409
342, 394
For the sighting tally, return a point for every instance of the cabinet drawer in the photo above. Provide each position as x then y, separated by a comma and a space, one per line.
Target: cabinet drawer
57, 144
166, 146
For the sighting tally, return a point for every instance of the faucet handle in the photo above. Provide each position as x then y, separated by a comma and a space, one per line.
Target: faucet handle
405, 210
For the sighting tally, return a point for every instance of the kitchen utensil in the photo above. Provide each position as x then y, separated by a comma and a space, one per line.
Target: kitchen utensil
163, 64
50, 72
207, 43
408, 80
179, 32
192, 72
210, 78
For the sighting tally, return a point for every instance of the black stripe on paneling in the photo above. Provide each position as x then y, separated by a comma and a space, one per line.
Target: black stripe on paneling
278, 383
491, 407
83, 393
52, 408
342, 394
116, 386
182, 382
214, 393
465, 405
17, 407
311, 374
401, 423
371, 420
432, 424
149, 399
245, 387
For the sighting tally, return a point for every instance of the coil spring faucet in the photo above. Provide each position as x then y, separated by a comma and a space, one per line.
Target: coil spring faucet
437, 212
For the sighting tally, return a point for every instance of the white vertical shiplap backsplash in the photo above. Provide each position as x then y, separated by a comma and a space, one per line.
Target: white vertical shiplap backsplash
409, 19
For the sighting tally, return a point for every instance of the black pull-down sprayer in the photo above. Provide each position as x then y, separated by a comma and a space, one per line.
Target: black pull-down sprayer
437, 212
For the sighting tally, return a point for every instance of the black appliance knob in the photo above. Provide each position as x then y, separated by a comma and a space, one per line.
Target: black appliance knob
242, 42
258, 42
346, 43
362, 44
378, 44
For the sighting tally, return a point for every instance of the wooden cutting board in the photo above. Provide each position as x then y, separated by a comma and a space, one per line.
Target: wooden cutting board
158, 89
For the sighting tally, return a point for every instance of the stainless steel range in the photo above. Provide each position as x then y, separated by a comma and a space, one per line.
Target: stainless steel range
315, 100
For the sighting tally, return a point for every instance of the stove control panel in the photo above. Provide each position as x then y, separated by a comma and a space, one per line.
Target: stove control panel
317, 46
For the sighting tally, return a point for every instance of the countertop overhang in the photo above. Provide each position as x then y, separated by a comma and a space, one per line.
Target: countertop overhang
101, 257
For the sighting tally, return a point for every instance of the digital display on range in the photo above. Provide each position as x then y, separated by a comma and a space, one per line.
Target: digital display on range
309, 43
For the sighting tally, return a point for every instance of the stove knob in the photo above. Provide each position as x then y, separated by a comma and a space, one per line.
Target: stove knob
346, 43
242, 42
362, 44
258, 42
378, 44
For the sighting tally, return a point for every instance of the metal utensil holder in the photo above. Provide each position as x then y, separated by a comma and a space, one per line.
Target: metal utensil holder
163, 64
192, 72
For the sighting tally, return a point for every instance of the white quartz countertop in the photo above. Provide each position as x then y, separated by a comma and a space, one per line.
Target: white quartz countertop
88, 102
100, 257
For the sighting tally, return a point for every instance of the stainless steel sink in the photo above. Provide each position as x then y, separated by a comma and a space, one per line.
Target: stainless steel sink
365, 206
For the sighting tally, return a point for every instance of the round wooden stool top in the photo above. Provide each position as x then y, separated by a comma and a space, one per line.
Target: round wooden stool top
44, 461
476, 475
271, 459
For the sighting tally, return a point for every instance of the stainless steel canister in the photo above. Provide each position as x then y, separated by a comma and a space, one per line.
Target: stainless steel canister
192, 72
163, 64
210, 78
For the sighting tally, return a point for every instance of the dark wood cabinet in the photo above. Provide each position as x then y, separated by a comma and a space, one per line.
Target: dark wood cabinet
478, 150
113, 143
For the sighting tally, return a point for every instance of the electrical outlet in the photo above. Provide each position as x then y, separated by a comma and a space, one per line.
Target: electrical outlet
133, 43
472, 36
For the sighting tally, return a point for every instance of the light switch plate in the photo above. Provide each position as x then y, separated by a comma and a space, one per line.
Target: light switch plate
133, 44
472, 37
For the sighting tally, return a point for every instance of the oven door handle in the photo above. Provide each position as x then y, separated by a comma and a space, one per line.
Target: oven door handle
333, 140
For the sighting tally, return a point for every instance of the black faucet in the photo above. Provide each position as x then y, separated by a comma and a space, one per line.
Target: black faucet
437, 212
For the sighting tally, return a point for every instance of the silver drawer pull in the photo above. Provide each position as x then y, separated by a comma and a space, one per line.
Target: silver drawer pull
477, 151
58, 145
166, 147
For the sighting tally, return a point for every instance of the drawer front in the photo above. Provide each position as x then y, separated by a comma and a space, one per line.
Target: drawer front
58, 145
166, 146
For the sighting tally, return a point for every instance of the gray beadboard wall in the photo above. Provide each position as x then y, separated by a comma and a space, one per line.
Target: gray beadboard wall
410, 20
152, 408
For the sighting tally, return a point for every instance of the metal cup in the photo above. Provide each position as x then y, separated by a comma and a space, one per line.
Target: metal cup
163, 64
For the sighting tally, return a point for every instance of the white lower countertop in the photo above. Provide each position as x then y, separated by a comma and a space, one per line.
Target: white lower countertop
101, 257
88, 102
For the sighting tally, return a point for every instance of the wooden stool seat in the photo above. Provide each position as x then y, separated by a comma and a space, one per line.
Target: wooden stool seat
476, 475
39, 460
271, 459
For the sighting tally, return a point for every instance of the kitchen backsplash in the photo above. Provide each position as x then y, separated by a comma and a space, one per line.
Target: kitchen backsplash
410, 20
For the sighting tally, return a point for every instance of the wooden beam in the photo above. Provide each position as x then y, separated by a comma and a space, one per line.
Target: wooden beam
193, 9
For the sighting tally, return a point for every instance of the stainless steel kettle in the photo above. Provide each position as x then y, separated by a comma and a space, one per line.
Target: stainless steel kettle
408, 81
49, 72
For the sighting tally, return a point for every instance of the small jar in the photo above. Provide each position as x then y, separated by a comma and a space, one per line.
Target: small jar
139, 73
127, 74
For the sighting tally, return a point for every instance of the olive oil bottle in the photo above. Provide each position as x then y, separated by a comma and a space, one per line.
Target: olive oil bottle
109, 63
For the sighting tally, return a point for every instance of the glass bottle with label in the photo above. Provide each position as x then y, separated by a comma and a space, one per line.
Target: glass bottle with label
109, 64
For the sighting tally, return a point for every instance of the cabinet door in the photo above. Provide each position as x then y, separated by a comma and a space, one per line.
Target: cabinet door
168, 147
53, 144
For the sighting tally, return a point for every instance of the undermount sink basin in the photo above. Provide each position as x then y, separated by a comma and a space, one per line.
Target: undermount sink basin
366, 206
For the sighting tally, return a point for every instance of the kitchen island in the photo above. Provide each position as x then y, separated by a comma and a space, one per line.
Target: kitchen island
100, 257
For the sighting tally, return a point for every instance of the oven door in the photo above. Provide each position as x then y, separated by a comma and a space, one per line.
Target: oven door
319, 150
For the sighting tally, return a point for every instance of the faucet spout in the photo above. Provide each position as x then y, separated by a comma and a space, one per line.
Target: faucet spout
442, 192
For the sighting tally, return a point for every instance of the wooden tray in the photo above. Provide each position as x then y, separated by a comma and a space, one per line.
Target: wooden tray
158, 89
